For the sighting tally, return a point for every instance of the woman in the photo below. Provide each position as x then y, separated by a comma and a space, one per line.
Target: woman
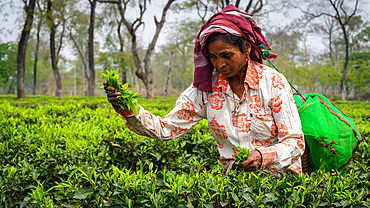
246, 103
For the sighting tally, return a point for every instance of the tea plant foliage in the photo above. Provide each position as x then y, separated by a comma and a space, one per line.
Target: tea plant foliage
77, 152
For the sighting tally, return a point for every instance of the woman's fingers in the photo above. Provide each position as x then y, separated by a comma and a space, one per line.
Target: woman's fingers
109, 88
113, 98
246, 165
113, 94
252, 163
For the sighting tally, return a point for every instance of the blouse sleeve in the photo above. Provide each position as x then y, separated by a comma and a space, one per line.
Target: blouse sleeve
287, 152
188, 111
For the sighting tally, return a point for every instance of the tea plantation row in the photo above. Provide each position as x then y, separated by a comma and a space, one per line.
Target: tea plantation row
76, 152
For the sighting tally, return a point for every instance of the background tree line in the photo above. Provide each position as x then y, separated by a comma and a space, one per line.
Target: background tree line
64, 45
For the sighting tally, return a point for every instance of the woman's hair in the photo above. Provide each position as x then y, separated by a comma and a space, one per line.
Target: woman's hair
227, 38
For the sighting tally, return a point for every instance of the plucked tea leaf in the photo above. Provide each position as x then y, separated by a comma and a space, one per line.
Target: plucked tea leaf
243, 154
127, 98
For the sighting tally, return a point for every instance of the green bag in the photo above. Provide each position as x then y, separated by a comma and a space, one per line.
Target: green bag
332, 137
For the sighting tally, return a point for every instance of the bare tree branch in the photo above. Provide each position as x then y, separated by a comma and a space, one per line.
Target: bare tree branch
159, 26
248, 6
139, 20
237, 3
353, 13
78, 48
258, 6
198, 9
108, 1
61, 40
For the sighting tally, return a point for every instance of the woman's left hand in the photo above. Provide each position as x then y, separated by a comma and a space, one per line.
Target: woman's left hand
252, 163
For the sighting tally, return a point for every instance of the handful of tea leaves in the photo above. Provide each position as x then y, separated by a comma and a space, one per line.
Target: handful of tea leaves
127, 98
243, 154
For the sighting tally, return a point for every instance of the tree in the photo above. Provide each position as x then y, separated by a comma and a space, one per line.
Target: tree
252, 7
359, 74
81, 53
54, 51
29, 7
90, 43
120, 56
365, 35
90, 46
341, 11
181, 42
146, 74
204, 7
8, 65
41, 11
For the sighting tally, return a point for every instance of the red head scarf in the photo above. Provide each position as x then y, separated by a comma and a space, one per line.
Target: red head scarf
229, 20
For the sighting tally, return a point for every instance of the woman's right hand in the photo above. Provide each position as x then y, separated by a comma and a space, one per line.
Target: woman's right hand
113, 99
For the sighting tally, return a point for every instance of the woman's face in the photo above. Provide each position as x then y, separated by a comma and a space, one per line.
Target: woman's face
227, 58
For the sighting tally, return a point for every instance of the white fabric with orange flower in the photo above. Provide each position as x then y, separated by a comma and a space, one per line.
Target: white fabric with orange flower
264, 118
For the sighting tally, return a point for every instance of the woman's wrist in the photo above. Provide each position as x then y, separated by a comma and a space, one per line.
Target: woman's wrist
124, 112
261, 161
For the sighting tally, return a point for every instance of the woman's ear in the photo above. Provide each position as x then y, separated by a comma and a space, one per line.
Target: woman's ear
247, 47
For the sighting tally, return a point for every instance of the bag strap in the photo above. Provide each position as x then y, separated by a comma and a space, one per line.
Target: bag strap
265, 53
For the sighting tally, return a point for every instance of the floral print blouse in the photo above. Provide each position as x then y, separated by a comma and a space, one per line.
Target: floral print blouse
264, 118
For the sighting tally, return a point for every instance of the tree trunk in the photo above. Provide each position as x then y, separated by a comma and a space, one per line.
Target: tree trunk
120, 38
22, 47
58, 80
36, 56
147, 61
343, 20
53, 27
81, 54
123, 70
121, 45
149, 78
145, 75
91, 80
170, 73
344, 75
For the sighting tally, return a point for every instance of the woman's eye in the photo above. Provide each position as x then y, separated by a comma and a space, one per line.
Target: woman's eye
212, 57
227, 56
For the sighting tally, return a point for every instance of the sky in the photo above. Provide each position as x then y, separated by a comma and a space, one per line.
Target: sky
10, 25
9, 28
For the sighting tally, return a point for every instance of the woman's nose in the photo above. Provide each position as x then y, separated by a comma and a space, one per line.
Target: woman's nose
220, 64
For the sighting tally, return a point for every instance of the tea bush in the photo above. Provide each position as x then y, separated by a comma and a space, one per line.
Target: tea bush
76, 152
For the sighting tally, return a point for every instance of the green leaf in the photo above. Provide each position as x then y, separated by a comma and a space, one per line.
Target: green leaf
235, 197
208, 205
181, 180
156, 155
243, 154
125, 86
115, 145
270, 197
142, 199
189, 205
71, 174
83, 193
